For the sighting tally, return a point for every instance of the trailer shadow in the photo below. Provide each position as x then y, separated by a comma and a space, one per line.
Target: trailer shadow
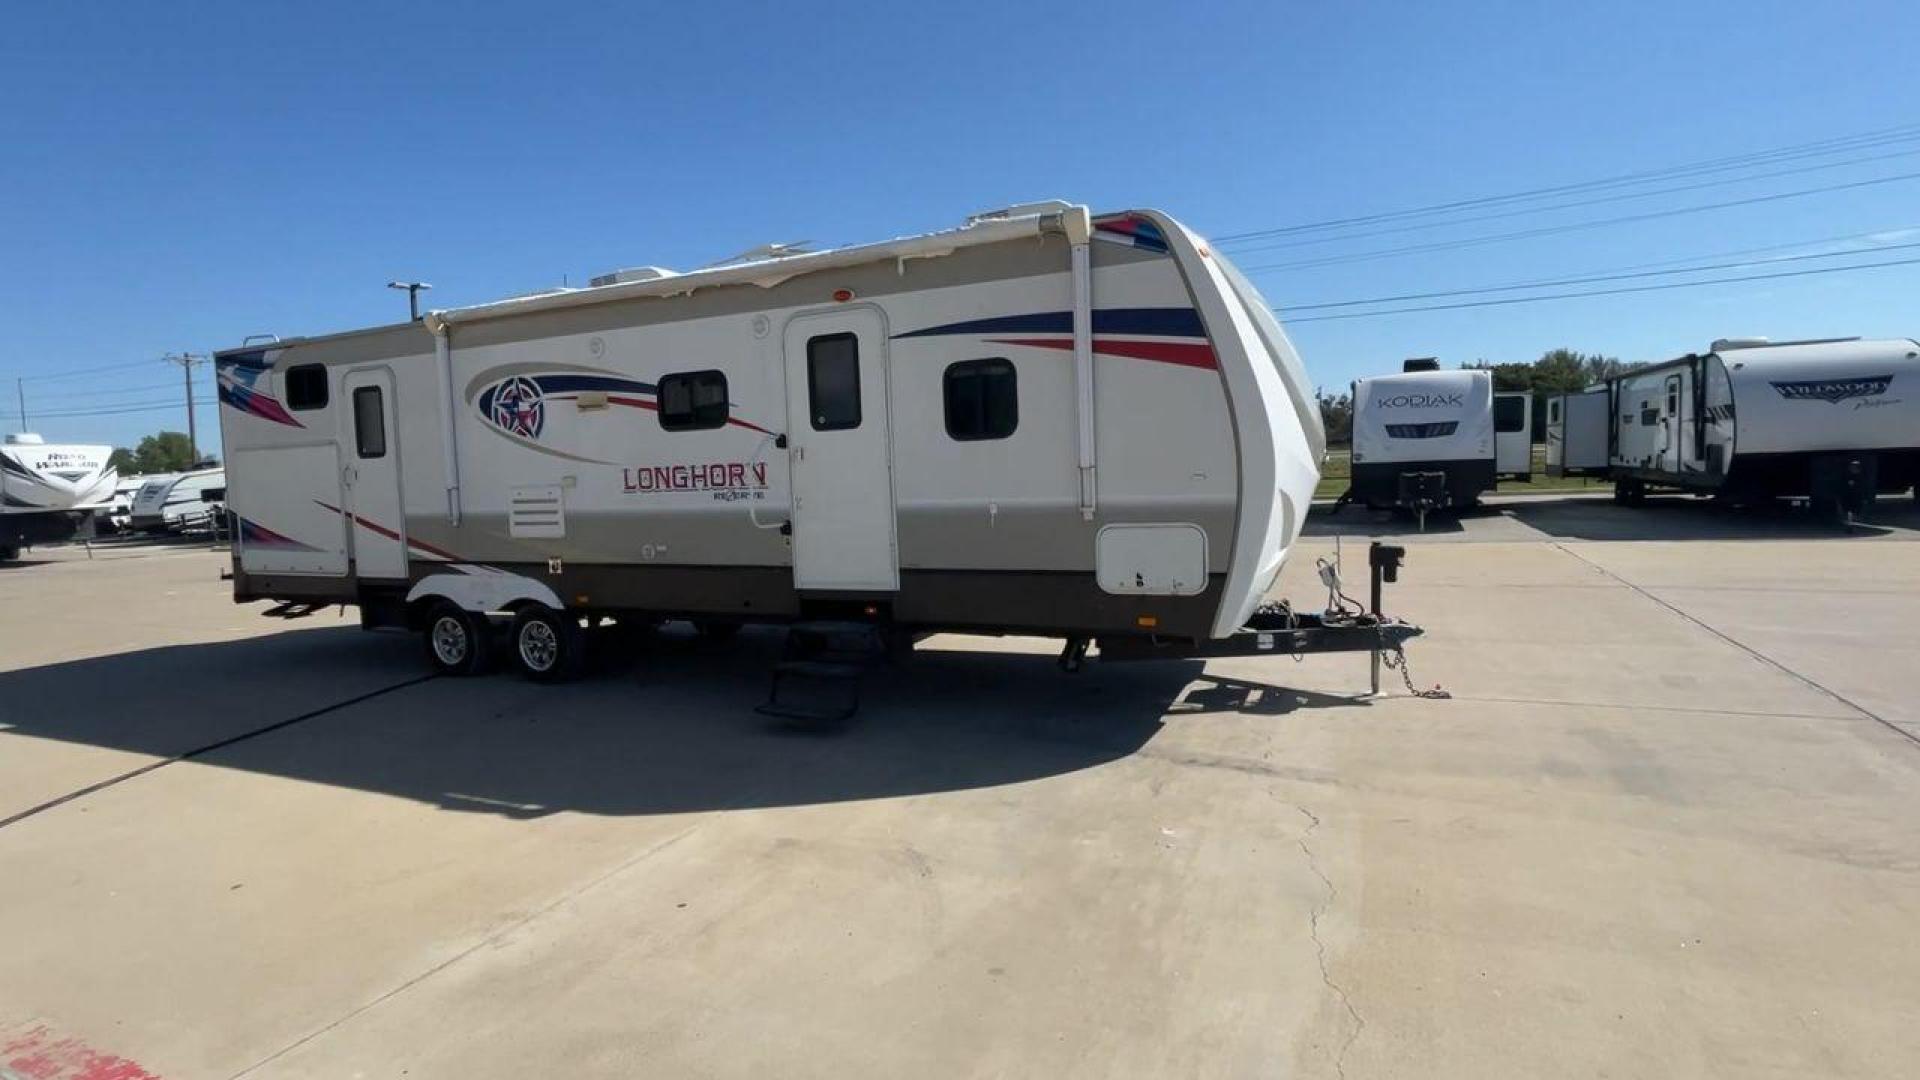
1681, 517
671, 731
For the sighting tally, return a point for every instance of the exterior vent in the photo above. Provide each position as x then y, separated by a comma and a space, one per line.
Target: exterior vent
1726, 343
1437, 430
25, 438
637, 273
536, 513
1421, 363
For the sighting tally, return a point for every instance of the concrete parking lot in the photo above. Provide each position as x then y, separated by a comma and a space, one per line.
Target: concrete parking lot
1665, 826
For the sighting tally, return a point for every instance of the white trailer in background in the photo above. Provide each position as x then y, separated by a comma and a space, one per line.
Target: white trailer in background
1044, 421
49, 493
177, 501
1427, 439
1579, 433
1834, 421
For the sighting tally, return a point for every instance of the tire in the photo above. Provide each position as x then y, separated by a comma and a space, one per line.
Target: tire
548, 645
9, 553
1629, 492
458, 642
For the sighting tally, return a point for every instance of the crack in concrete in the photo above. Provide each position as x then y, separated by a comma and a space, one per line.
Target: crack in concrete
1320, 948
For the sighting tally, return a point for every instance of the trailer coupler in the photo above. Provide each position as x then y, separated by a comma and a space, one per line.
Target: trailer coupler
1276, 629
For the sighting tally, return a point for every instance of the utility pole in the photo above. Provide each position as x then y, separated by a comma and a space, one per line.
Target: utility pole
413, 296
186, 360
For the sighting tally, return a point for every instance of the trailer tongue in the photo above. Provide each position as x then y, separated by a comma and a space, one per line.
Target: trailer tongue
1278, 629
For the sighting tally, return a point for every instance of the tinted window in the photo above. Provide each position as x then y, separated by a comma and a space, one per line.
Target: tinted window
1509, 413
369, 422
983, 399
693, 400
833, 381
307, 387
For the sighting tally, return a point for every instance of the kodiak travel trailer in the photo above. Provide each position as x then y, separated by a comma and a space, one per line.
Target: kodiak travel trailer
1042, 422
1834, 421
49, 493
1428, 439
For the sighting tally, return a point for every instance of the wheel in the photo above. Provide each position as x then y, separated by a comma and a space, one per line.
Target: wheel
9, 553
1629, 492
547, 644
458, 641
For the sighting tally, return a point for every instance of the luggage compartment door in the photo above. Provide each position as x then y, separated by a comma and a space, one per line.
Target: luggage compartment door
284, 500
371, 447
1513, 434
839, 450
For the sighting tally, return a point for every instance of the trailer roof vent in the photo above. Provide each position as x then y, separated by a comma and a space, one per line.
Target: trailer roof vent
636, 273
1420, 363
1726, 343
25, 438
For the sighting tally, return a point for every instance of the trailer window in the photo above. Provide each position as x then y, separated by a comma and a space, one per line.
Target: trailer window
1553, 411
690, 401
833, 381
369, 422
983, 399
307, 387
1509, 413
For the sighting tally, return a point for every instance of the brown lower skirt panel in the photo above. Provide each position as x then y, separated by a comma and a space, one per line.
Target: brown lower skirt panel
988, 601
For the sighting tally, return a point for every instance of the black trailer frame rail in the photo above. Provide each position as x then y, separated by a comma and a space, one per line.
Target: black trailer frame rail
1277, 629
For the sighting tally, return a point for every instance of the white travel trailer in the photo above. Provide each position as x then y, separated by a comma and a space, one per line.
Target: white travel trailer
1043, 421
1834, 421
1428, 439
49, 493
175, 501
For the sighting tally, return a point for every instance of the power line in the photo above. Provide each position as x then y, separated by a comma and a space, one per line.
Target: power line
86, 371
1577, 226
115, 410
1591, 279
1604, 292
1523, 212
142, 388
1797, 151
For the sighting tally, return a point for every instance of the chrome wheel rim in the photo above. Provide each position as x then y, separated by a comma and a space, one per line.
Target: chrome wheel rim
450, 640
539, 645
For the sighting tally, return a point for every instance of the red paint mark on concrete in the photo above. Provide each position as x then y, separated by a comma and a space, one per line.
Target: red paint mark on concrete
37, 1053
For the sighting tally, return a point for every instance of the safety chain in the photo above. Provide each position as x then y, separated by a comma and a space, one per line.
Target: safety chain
1395, 657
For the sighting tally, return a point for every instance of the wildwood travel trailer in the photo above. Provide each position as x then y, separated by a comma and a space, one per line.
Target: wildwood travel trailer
48, 493
1427, 439
1042, 422
1834, 421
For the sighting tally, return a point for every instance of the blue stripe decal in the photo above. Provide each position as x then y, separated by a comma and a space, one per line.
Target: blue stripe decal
1157, 322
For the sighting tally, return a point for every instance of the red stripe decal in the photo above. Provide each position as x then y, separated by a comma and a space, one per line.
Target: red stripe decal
643, 403
1184, 354
382, 530
38, 1054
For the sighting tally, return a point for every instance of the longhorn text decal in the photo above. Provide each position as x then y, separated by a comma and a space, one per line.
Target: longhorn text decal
728, 481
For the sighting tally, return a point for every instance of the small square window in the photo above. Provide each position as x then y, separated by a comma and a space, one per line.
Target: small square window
983, 399
691, 401
369, 422
307, 387
833, 381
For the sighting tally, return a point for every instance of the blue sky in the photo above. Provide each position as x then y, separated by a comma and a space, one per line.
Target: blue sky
177, 177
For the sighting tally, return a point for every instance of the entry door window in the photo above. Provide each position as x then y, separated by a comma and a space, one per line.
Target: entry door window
833, 381
369, 422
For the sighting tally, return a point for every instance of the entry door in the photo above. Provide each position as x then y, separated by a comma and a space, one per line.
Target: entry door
1513, 434
372, 476
839, 450
1670, 439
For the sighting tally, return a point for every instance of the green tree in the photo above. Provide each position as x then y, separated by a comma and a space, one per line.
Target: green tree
1336, 414
166, 451
123, 462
